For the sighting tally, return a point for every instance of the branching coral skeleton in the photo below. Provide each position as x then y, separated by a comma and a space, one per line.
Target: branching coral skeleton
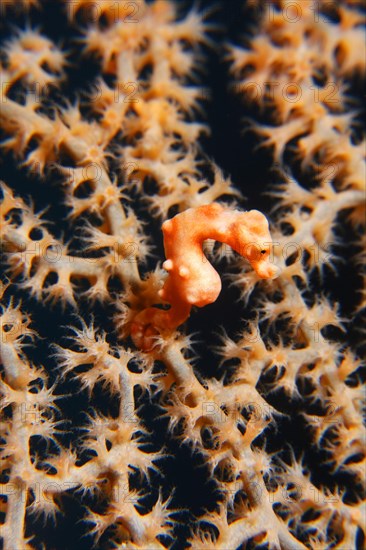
280, 368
